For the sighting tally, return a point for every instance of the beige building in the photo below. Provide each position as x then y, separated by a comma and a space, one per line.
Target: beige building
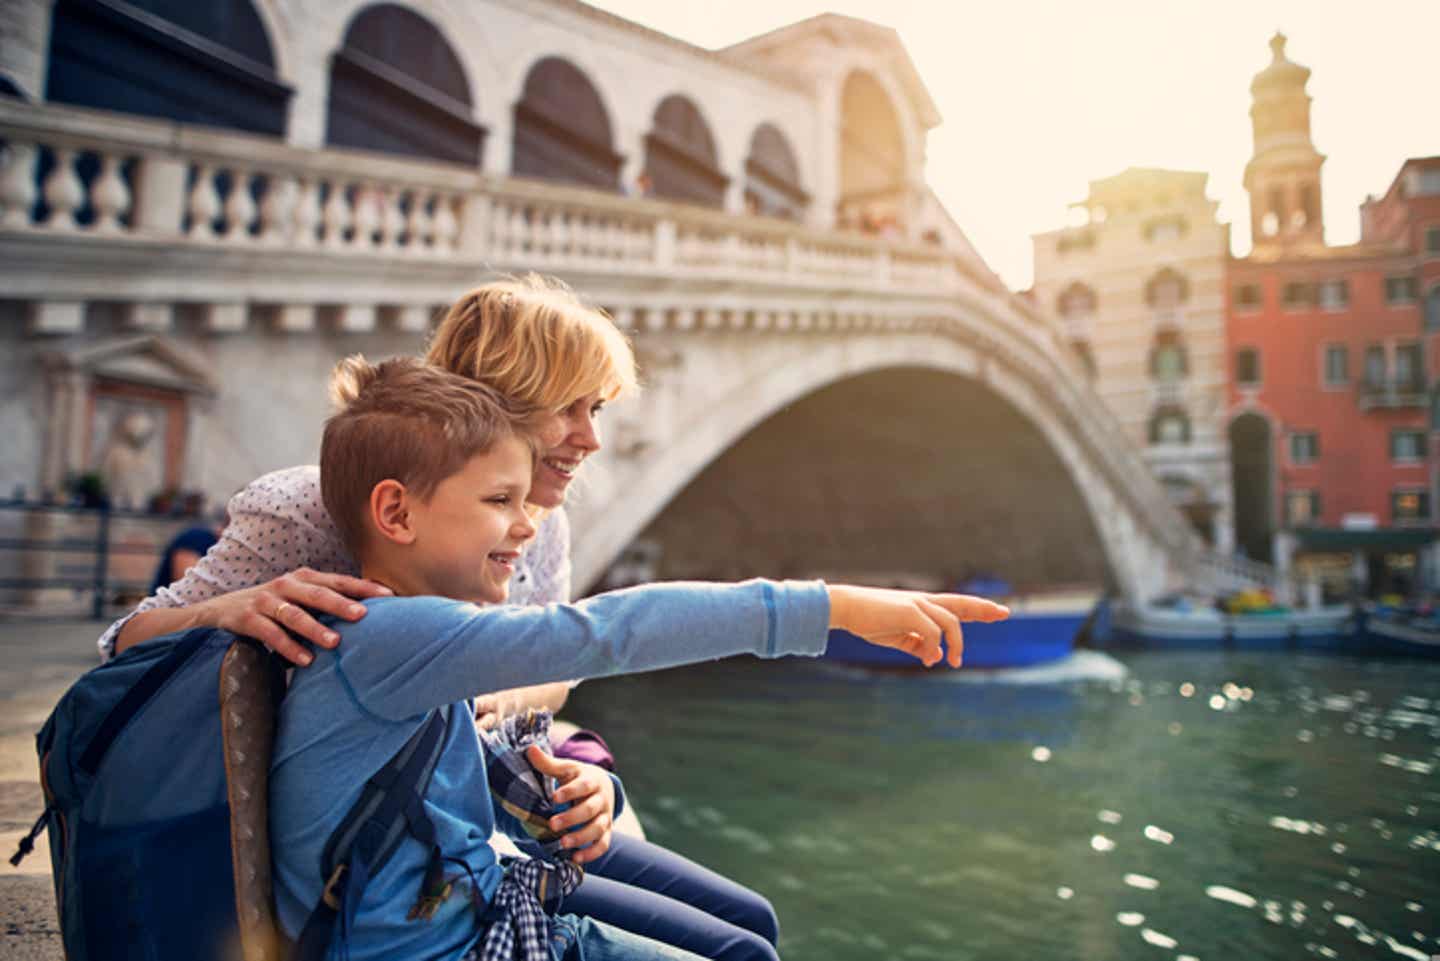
1138, 290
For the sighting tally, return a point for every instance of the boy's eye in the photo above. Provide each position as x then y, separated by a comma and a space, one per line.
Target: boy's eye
596, 408
501, 499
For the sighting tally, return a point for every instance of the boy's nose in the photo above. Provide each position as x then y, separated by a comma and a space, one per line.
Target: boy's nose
524, 528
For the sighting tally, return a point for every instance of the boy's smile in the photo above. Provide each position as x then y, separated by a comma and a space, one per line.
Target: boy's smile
467, 535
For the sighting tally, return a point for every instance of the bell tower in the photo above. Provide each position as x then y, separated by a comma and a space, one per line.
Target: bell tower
1283, 175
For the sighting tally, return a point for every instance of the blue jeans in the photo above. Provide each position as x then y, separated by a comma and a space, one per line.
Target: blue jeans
651, 891
584, 939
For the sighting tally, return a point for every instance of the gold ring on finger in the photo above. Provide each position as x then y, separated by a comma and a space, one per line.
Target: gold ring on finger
281, 610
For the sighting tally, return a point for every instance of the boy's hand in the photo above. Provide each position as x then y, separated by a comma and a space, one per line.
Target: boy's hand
910, 621
591, 795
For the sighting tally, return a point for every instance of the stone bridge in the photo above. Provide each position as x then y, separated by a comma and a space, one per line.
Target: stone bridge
816, 401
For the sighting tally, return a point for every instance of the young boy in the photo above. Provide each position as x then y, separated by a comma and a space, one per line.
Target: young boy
426, 473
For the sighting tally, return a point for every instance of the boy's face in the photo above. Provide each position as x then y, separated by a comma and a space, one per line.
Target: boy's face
468, 534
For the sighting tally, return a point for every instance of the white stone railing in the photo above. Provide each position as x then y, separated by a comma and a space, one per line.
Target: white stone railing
1220, 573
72, 172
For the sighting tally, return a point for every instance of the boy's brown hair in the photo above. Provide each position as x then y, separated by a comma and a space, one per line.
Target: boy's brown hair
404, 420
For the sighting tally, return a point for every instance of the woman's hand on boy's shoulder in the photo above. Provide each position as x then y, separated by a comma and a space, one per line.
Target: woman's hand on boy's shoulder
911, 621
278, 611
590, 791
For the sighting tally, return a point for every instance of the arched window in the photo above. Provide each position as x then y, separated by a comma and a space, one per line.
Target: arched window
1169, 425
680, 157
1087, 356
397, 87
1169, 361
1077, 301
562, 131
1167, 290
772, 176
872, 157
205, 63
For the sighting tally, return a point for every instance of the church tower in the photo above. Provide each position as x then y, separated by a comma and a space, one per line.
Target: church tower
1283, 175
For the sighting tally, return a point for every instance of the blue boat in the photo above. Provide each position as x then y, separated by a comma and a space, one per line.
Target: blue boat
1397, 631
1040, 630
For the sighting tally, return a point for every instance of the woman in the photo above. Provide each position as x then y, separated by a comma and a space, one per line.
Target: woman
281, 558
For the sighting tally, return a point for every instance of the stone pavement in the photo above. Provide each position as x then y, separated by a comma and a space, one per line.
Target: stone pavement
38, 661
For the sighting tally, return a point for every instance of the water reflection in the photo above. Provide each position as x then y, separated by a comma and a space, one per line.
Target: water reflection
1129, 818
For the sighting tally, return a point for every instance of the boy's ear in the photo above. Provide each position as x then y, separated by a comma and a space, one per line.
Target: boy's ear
390, 512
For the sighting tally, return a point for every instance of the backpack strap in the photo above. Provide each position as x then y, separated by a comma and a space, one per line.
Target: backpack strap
140, 692
390, 807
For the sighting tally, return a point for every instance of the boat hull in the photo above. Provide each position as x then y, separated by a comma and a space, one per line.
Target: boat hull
1324, 629
1381, 636
1023, 640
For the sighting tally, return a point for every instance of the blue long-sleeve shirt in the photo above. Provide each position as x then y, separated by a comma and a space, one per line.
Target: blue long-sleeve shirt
349, 712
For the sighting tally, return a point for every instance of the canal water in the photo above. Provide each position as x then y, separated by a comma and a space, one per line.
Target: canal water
1203, 805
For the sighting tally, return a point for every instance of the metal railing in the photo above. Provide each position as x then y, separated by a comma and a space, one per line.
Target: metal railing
37, 540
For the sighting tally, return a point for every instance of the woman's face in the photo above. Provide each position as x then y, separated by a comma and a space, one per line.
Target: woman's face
572, 436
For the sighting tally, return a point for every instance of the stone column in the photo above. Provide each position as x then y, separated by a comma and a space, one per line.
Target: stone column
826, 190
25, 44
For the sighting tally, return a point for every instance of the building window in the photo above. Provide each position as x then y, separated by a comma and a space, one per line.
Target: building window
1167, 362
1297, 295
1304, 447
1432, 308
1432, 240
1400, 290
1407, 445
1335, 294
1167, 290
1409, 505
1409, 367
1249, 297
1337, 365
1247, 367
1375, 366
1168, 228
1075, 240
1170, 425
1302, 508
1077, 301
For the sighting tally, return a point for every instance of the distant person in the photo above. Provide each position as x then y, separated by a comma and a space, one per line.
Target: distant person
184, 552
426, 475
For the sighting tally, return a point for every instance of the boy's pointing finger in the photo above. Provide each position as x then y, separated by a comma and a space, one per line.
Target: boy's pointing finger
969, 608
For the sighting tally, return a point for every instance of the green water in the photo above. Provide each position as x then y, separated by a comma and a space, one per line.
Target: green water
1207, 806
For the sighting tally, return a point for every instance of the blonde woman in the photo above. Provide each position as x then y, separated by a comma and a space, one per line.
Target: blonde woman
281, 558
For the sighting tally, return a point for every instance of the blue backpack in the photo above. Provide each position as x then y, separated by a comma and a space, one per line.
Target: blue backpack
138, 807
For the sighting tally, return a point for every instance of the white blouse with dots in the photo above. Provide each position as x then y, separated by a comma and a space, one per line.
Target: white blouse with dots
278, 523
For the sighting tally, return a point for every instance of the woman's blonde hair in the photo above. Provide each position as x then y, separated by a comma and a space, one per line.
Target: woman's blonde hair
531, 339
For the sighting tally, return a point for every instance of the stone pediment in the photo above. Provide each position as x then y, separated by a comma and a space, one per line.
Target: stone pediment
785, 50
145, 360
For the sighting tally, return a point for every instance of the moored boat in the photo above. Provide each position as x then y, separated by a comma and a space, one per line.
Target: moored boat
1397, 631
1183, 625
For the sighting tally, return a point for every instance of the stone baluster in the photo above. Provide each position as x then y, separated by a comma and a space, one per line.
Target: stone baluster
500, 225
336, 215
276, 209
419, 227
203, 204
521, 237
367, 216
446, 226
17, 185
473, 230
305, 214
161, 196
239, 207
64, 193
562, 235
109, 196
392, 219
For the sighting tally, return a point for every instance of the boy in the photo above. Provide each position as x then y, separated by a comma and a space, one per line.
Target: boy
425, 473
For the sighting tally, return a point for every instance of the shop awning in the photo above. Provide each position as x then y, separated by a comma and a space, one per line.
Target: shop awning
1335, 539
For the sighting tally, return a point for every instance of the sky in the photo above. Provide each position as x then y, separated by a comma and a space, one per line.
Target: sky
1039, 97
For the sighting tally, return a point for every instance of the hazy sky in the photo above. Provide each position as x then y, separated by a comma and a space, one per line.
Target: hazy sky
1038, 97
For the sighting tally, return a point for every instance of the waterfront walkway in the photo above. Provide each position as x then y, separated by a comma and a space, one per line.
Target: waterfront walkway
38, 661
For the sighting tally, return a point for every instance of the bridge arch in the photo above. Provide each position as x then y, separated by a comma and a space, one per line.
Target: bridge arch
694, 426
